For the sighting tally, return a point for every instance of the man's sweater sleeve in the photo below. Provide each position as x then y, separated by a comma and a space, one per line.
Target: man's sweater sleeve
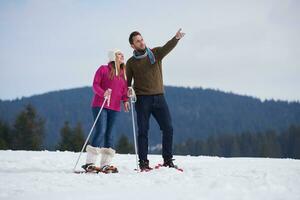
164, 50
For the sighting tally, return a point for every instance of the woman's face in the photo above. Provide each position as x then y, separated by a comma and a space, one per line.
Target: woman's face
120, 57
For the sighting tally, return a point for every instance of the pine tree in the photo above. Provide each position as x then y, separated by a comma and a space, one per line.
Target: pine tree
66, 137
5, 136
28, 130
214, 148
235, 147
201, 147
78, 138
124, 146
72, 139
293, 142
273, 145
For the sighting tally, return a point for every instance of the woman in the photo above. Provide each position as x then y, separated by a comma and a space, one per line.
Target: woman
109, 82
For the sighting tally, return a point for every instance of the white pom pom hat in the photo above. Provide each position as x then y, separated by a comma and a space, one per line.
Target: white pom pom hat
112, 57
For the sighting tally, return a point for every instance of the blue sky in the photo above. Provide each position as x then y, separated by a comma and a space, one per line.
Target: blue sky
247, 47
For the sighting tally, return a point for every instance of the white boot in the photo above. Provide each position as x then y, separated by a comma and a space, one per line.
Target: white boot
107, 155
92, 154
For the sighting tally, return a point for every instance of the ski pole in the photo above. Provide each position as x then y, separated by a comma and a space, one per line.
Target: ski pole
88, 137
132, 101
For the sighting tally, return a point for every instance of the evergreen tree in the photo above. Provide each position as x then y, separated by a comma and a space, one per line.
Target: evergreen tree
71, 139
293, 142
28, 130
78, 138
201, 147
235, 150
260, 144
214, 148
66, 137
272, 144
5, 136
124, 146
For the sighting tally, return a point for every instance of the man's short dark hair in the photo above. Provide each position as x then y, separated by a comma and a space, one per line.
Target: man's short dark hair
133, 34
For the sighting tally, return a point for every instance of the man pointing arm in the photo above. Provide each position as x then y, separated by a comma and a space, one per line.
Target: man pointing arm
145, 69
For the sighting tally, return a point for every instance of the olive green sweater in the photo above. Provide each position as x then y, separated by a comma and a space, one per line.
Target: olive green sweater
148, 79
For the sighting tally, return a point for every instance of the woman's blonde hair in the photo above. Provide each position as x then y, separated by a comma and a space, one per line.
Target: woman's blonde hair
113, 68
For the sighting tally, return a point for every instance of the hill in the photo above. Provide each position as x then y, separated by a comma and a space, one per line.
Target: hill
196, 113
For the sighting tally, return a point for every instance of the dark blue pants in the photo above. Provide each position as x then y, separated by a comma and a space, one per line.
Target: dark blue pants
104, 128
156, 106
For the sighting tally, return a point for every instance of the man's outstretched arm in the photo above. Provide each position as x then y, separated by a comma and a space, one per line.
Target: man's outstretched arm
164, 50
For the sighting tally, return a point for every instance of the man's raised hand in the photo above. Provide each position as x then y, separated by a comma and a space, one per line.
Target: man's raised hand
179, 34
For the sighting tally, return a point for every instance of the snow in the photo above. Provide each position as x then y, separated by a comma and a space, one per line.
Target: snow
48, 175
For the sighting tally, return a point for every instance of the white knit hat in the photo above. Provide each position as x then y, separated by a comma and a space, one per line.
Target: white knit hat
112, 57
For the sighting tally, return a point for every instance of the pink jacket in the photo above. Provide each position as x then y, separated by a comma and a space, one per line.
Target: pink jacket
102, 82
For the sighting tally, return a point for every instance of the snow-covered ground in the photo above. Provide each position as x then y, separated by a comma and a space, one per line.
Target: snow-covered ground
48, 175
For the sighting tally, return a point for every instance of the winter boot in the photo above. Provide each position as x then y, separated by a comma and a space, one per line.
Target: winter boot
144, 165
91, 157
169, 163
107, 155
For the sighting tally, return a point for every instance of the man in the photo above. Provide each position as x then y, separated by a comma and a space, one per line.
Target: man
145, 68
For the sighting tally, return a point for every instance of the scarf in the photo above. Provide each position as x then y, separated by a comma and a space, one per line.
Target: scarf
148, 52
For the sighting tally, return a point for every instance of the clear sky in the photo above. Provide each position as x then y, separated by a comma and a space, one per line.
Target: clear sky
247, 47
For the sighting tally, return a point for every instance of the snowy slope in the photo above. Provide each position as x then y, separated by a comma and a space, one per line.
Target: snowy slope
48, 175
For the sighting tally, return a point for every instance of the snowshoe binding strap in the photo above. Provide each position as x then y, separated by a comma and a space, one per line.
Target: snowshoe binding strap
109, 169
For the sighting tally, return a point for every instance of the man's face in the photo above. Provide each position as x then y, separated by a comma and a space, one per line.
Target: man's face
138, 43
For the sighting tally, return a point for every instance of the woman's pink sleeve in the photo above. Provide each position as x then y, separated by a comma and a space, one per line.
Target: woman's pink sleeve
125, 90
97, 83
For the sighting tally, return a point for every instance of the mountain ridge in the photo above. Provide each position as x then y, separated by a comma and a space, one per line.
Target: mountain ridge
196, 112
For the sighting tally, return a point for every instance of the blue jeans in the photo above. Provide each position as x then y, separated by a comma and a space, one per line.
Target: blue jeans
157, 106
104, 128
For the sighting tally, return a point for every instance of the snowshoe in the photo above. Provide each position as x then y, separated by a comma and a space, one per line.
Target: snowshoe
144, 166
169, 163
108, 169
91, 168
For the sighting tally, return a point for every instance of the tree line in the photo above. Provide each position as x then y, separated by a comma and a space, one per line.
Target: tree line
285, 144
28, 132
196, 112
